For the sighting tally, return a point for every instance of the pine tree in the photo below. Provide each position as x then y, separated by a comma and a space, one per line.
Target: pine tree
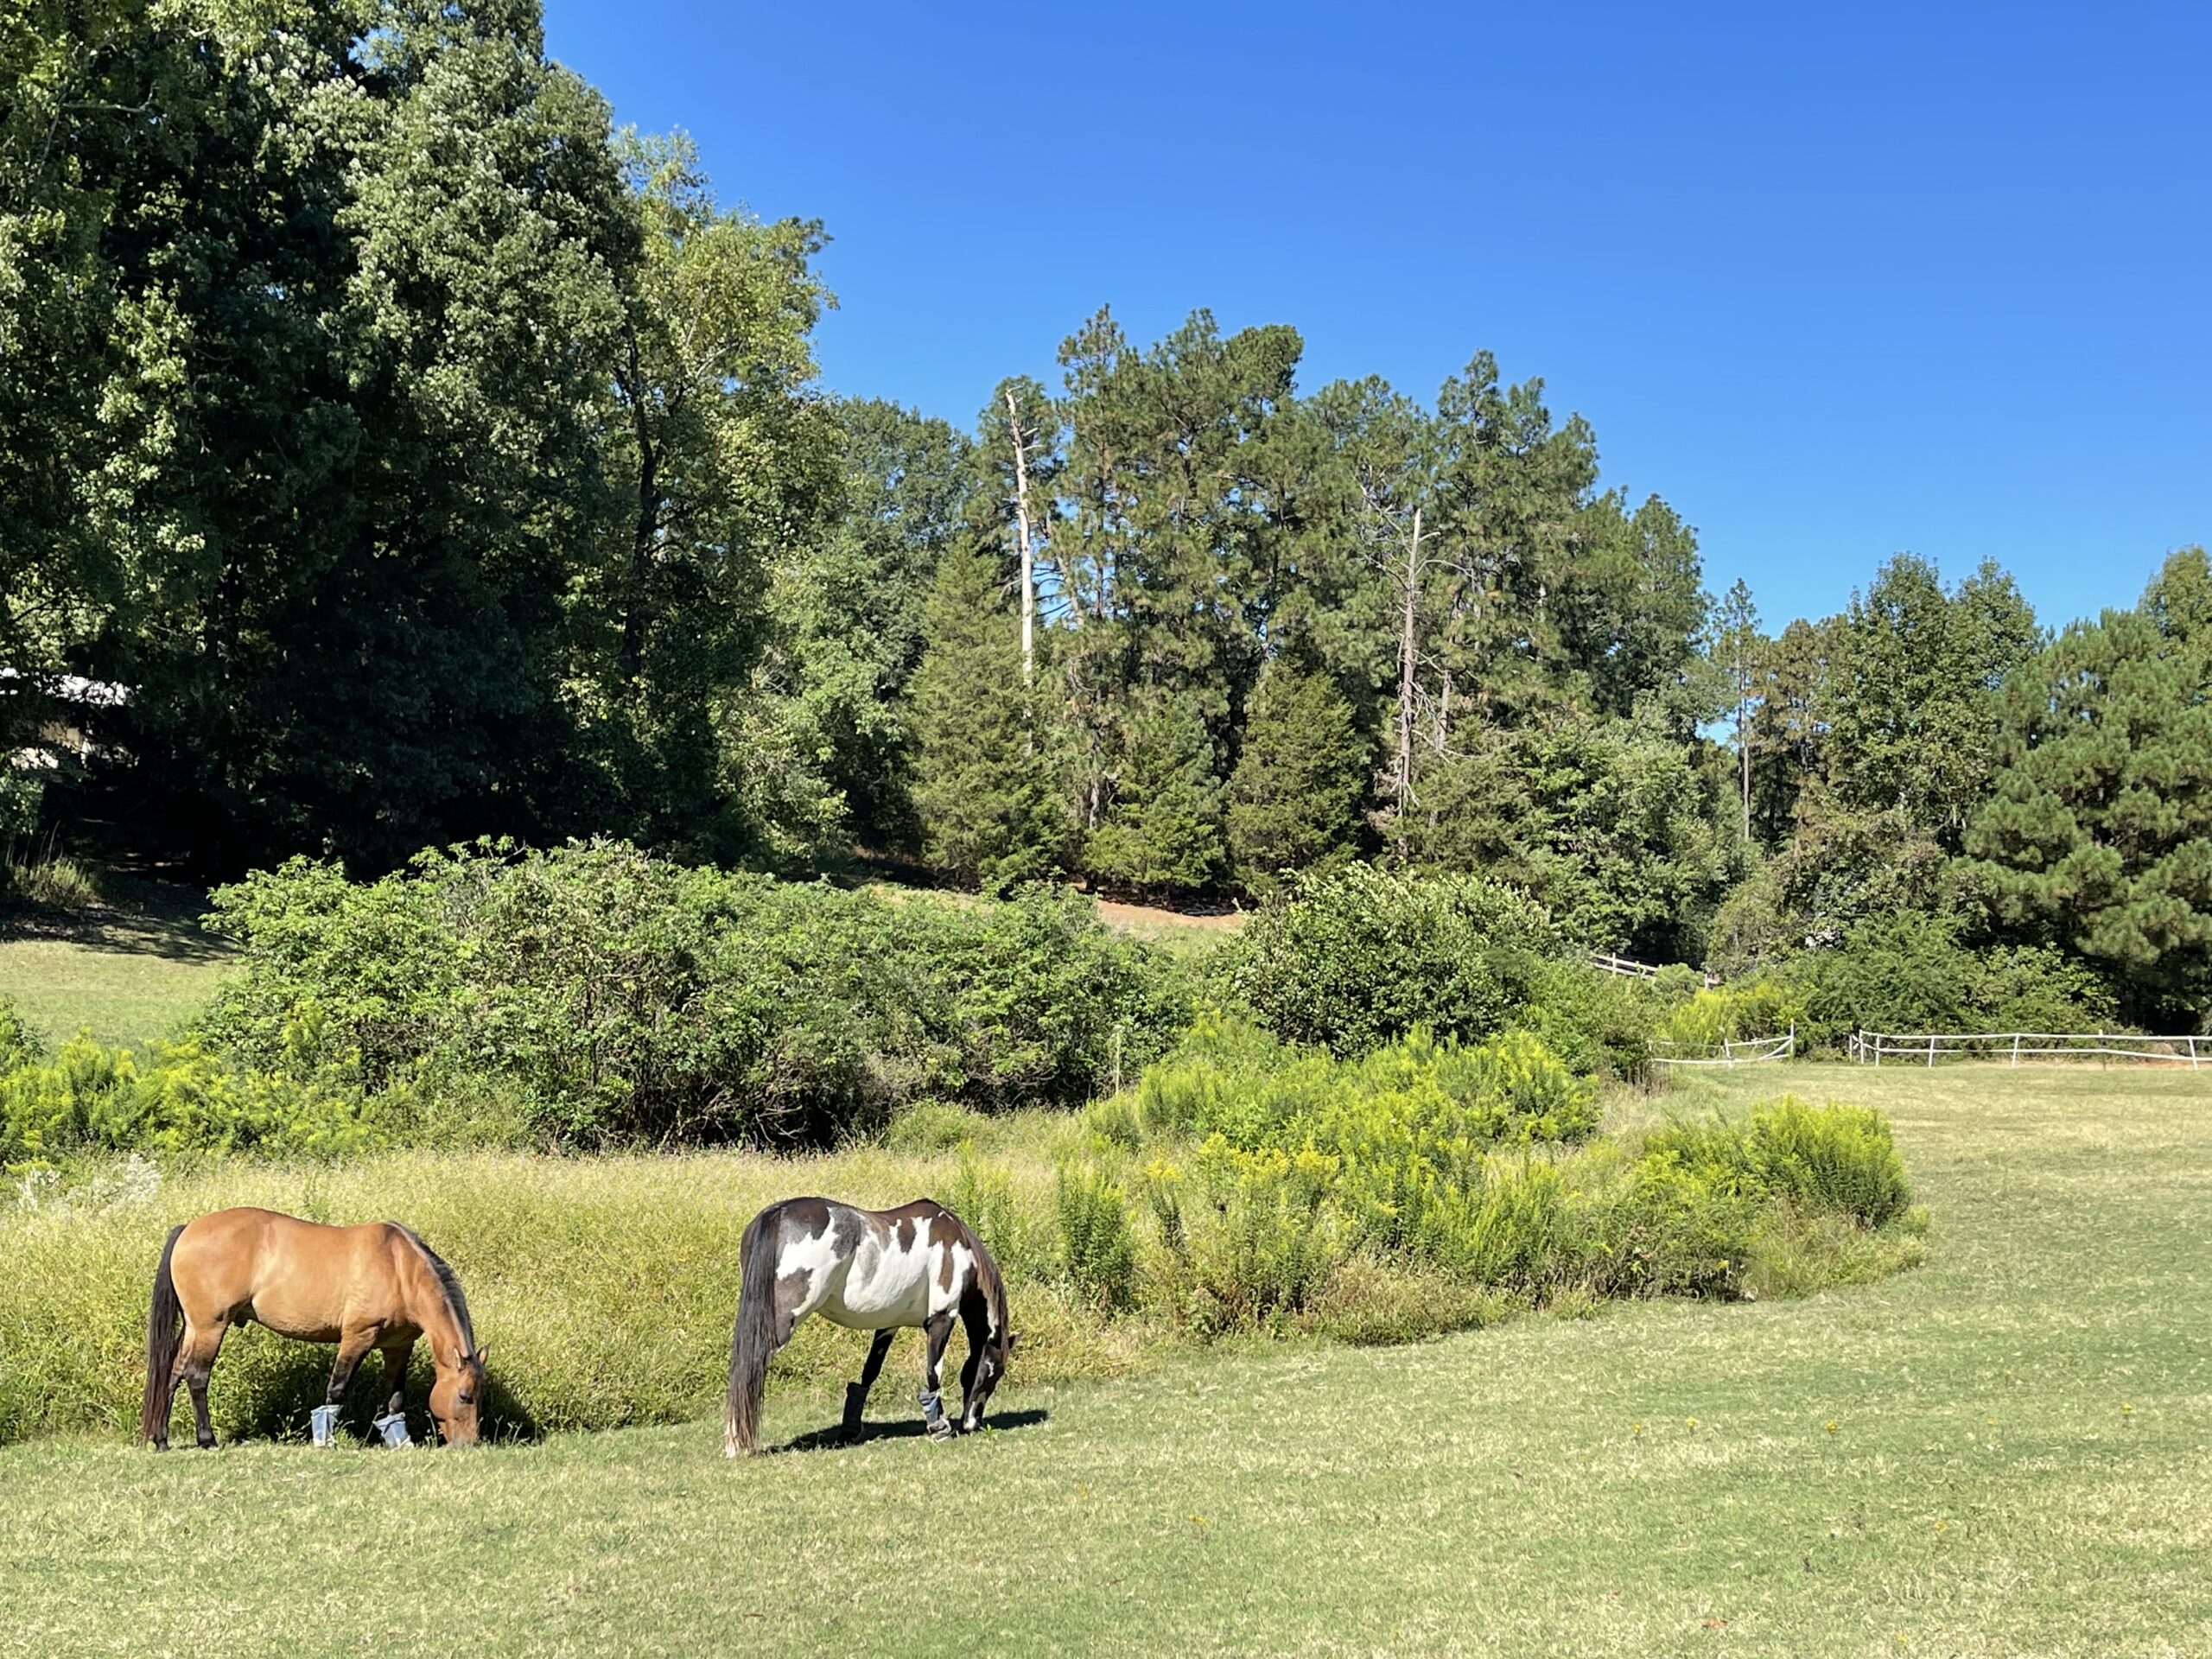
2098, 835
1294, 794
984, 788
1162, 831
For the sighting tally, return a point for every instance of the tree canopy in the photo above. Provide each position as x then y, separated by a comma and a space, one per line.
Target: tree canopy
402, 453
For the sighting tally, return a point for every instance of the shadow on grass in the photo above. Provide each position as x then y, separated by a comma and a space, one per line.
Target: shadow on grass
266, 1389
150, 920
823, 1439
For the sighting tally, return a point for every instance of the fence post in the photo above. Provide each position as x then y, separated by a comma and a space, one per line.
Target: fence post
2192, 1053
2016, 1051
1931, 1051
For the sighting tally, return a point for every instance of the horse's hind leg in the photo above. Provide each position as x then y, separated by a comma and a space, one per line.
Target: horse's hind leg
856, 1393
195, 1360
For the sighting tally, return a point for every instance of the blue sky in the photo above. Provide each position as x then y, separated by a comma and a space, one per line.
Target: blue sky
1835, 282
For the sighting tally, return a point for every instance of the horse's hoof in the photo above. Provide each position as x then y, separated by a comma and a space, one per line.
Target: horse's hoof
942, 1430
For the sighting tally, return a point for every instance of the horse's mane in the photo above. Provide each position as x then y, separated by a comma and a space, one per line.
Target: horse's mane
448, 1287
987, 1270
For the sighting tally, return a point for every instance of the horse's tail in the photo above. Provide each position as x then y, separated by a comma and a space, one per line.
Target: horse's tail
753, 1340
164, 1330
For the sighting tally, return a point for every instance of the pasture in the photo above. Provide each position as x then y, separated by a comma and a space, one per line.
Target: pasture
128, 975
2003, 1451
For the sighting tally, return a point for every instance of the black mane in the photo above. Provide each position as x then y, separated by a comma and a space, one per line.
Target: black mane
456, 1304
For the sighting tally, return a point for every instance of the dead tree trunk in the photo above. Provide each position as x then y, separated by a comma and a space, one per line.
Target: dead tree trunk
1407, 658
1021, 537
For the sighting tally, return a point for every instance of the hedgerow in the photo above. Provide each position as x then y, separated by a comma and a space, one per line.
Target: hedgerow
610, 997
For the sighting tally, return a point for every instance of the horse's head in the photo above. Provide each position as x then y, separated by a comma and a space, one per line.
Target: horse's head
458, 1394
986, 1368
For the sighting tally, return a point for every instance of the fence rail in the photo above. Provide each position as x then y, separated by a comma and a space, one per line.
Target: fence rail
1925, 1048
1741, 1051
1611, 963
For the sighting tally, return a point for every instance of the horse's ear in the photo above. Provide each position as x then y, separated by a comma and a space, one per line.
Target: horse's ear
479, 1354
1011, 1337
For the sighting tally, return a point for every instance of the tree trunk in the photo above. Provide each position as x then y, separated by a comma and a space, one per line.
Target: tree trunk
644, 533
1405, 663
1021, 536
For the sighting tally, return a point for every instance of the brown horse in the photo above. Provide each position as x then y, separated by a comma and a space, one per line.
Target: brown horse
376, 1286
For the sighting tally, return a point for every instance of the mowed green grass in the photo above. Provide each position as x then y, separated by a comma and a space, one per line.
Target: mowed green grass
127, 977
2007, 1451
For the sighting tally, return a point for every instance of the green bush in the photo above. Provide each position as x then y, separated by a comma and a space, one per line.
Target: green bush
1601, 1023
1709, 1017
18, 1042
1230, 1079
1834, 1159
1911, 973
48, 881
1096, 1250
1354, 957
932, 1126
1265, 1242
179, 1098
616, 997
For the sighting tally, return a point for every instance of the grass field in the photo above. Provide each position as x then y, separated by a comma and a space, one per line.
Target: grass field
127, 975
2004, 1452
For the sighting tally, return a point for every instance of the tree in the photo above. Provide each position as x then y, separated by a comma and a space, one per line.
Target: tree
724, 466
1293, 796
2099, 833
848, 609
989, 806
1162, 827
1914, 721
1737, 651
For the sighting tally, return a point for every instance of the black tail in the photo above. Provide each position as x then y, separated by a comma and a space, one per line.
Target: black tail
753, 1340
164, 1329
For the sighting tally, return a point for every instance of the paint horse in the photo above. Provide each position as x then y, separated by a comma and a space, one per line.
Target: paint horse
878, 1270
376, 1286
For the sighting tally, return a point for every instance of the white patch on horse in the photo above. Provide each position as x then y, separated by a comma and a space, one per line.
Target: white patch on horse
883, 1285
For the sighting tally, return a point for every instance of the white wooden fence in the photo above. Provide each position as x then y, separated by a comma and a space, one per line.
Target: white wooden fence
1741, 1051
1925, 1048
1608, 963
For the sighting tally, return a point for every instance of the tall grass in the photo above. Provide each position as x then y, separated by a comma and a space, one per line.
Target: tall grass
604, 1287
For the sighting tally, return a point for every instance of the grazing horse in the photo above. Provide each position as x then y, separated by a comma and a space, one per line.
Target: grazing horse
875, 1270
376, 1286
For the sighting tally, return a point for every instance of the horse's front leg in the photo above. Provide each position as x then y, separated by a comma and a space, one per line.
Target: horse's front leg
397, 1357
856, 1393
939, 1331
354, 1345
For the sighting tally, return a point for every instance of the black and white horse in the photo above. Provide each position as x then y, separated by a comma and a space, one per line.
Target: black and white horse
878, 1270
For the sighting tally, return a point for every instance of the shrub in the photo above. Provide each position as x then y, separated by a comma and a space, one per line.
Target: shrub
1910, 973
618, 997
1670, 1228
1096, 1250
48, 882
180, 1098
1246, 1239
1834, 1159
1759, 1008
931, 1125
1354, 957
18, 1042
1230, 1077
1599, 1024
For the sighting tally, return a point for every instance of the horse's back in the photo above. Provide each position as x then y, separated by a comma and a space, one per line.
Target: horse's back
296, 1277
